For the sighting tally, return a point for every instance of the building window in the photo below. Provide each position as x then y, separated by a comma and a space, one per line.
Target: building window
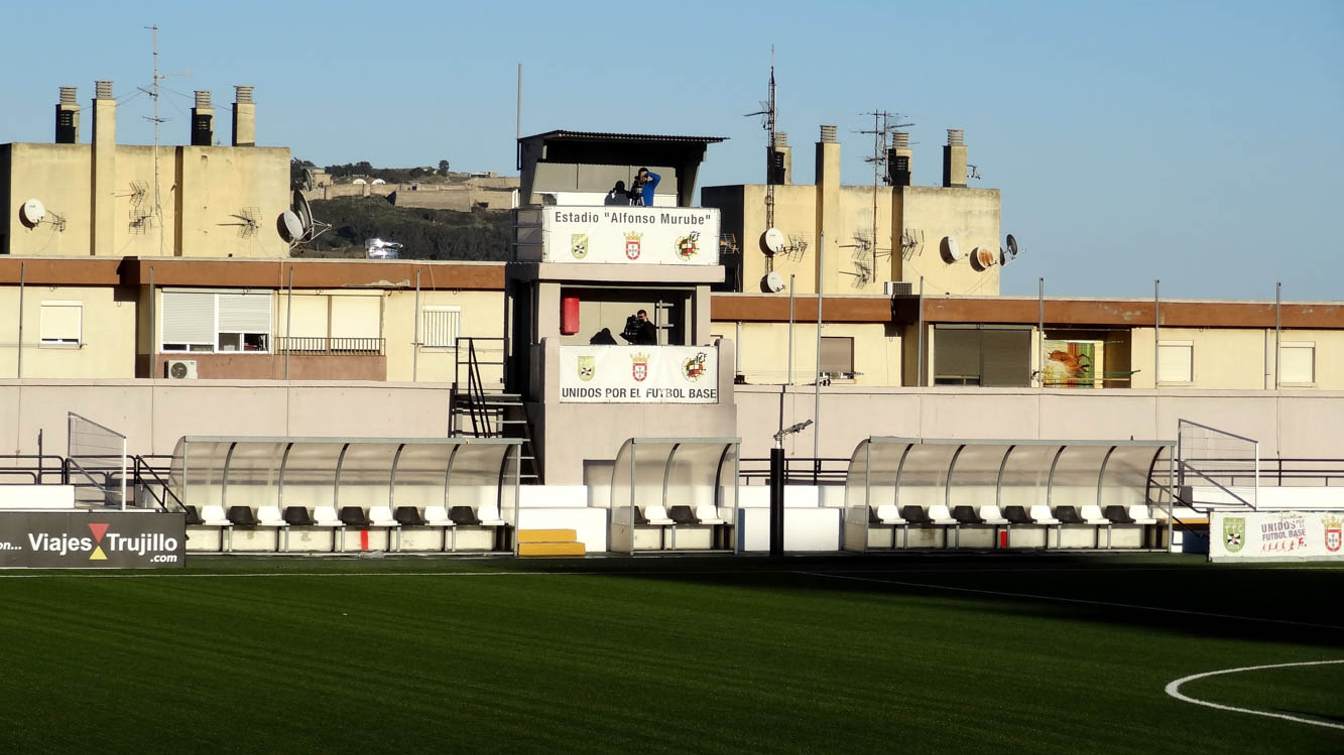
1297, 363
837, 357
1176, 362
61, 323
982, 355
202, 321
439, 327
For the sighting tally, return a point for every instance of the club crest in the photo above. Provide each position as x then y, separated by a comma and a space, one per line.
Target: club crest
587, 368
1234, 533
1334, 533
688, 246
578, 245
694, 367
632, 245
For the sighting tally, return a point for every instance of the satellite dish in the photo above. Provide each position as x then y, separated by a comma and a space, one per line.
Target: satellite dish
33, 212
1012, 246
982, 258
951, 251
772, 283
291, 228
772, 241
301, 208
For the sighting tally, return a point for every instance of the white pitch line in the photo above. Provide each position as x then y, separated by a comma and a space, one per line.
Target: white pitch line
1174, 689
1075, 601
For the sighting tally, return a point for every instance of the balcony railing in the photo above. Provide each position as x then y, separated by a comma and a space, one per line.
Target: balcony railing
329, 346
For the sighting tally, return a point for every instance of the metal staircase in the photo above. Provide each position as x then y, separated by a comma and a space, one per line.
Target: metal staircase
494, 413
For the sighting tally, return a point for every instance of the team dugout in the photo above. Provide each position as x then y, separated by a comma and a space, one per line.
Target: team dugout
674, 494
257, 494
913, 493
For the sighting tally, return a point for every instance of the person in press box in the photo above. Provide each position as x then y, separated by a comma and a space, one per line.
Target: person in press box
639, 331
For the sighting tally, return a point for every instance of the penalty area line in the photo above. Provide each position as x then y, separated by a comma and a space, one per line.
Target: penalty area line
1174, 689
1073, 601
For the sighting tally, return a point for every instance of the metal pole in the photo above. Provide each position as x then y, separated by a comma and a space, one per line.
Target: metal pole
289, 319
1157, 332
816, 382
518, 110
791, 277
777, 498
153, 335
1278, 330
1040, 330
415, 347
18, 369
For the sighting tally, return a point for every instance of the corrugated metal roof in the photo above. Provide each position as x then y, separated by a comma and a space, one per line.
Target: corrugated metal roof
603, 136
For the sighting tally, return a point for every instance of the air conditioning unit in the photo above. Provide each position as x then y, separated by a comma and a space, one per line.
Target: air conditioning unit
180, 369
898, 288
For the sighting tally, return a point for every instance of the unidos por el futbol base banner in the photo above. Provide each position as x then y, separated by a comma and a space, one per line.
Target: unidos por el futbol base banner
1276, 535
92, 540
639, 374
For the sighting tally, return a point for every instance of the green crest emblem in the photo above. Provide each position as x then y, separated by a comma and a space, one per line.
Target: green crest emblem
1234, 533
587, 368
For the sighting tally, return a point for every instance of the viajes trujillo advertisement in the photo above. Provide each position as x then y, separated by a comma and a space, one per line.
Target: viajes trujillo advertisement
1276, 535
92, 540
639, 374
650, 235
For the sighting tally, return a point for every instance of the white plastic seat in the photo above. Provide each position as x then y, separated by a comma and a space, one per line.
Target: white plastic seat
437, 516
269, 516
888, 513
213, 516
325, 516
1042, 515
991, 515
940, 515
1093, 515
381, 516
489, 516
656, 515
708, 513
1141, 515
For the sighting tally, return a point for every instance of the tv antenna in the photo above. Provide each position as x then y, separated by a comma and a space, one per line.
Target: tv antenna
884, 123
769, 115
153, 92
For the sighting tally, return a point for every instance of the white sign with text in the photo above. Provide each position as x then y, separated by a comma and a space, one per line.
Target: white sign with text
1276, 535
639, 374
625, 235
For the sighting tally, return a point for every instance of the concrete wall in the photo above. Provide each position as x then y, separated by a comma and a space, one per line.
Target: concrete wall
1289, 423
971, 216
205, 194
1240, 358
763, 351
108, 333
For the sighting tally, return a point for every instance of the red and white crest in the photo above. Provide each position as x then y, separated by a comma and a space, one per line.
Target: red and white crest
1334, 534
639, 367
632, 245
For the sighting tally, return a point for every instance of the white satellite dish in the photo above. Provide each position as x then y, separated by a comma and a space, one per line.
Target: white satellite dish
33, 212
301, 208
291, 227
772, 283
951, 250
772, 241
982, 259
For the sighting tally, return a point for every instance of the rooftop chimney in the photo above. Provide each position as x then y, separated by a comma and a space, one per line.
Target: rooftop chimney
828, 224
779, 165
954, 159
244, 117
899, 159
202, 120
102, 229
67, 117
828, 135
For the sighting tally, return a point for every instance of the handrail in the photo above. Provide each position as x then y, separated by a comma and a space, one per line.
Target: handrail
1220, 431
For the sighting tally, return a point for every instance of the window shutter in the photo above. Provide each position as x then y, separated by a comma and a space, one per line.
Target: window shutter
245, 313
439, 327
188, 317
837, 355
308, 317
60, 322
1006, 356
356, 316
1297, 363
1176, 363
956, 355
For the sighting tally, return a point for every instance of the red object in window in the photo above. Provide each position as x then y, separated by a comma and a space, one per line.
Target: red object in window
569, 315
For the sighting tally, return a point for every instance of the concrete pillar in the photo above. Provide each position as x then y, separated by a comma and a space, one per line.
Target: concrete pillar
104, 195
954, 159
828, 204
244, 117
67, 117
203, 120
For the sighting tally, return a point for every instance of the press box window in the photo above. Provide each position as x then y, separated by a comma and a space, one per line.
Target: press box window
1297, 363
837, 357
439, 327
61, 323
1176, 362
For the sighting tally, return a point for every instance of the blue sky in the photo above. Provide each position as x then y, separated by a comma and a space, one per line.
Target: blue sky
1197, 142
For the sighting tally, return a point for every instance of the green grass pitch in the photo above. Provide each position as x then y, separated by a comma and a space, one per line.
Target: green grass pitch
896, 654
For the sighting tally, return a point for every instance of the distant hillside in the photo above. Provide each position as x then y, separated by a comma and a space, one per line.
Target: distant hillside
425, 234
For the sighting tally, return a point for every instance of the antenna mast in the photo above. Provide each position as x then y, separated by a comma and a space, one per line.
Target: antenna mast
881, 132
769, 118
153, 93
